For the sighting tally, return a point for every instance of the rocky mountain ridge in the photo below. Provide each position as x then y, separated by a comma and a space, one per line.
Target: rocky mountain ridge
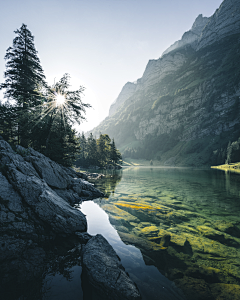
186, 100
188, 37
192, 36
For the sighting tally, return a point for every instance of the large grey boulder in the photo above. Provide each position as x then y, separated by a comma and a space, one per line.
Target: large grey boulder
49, 207
11, 198
69, 195
8, 156
83, 188
89, 189
105, 271
74, 174
15, 218
4, 146
50, 171
38, 189
77, 185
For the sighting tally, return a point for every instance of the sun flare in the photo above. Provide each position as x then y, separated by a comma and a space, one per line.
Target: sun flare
60, 100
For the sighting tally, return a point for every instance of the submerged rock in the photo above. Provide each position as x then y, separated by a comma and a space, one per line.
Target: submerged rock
105, 271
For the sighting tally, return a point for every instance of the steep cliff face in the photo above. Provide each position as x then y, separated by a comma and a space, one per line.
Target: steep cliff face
223, 23
186, 105
191, 36
126, 92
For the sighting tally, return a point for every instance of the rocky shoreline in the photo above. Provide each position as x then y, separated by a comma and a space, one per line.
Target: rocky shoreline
38, 217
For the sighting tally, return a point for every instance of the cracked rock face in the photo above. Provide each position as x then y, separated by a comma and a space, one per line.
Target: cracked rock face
47, 204
105, 271
190, 36
27, 197
50, 171
225, 21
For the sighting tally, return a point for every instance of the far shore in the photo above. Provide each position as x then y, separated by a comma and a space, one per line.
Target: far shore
232, 167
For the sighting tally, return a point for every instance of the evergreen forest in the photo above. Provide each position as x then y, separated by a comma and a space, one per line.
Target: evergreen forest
40, 116
101, 152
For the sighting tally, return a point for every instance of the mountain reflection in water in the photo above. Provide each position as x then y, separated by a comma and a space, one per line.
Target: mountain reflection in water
185, 222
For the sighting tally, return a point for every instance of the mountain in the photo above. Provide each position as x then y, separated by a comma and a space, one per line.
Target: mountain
185, 109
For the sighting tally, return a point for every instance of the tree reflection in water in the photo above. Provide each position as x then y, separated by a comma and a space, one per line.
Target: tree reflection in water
108, 183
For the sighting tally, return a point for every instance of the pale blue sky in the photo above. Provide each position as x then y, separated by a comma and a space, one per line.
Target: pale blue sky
102, 44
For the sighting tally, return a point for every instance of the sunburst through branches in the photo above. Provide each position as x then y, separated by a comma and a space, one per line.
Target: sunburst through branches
60, 100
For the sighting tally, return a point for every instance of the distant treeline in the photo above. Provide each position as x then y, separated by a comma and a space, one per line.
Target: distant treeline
153, 147
100, 152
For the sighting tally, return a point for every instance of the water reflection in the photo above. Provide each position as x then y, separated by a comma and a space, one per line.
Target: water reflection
186, 222
151, 283
61, 287
108, 183
42, 272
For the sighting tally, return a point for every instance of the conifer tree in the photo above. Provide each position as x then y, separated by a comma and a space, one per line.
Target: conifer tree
92, 150
63, 109
8, 126
23, 79
115, 155
83, 145
103, 148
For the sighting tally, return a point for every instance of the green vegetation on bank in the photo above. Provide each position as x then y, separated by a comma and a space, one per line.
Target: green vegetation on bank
101, 152
233, 167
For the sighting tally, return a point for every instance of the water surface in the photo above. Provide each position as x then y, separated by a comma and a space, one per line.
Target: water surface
185, 223
170, 227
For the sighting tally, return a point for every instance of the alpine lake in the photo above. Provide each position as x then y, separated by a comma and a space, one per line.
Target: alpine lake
173, 228
176, 231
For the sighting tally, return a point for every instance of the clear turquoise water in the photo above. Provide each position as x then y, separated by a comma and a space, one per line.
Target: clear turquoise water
199, 209
198, 206
151, 283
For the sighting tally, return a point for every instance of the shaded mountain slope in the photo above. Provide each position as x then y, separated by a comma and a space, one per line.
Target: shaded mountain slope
186, 105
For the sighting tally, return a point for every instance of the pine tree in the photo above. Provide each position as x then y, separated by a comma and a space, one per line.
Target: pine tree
83, 146
8, 124
103, 148
81, 159
63, 145
24, 73
92, 157
115, 155
63, 109
24, 78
